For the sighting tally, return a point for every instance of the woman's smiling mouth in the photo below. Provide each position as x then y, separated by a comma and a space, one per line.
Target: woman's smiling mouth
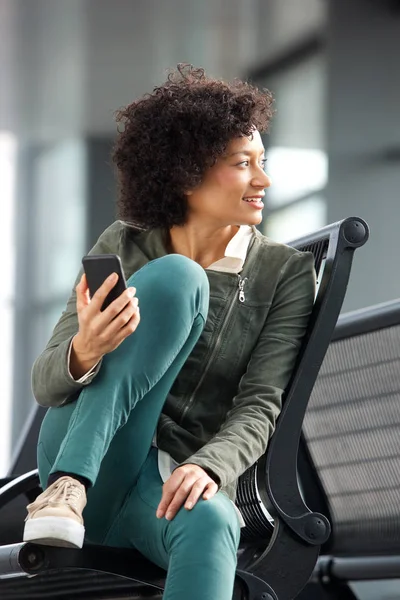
254, 201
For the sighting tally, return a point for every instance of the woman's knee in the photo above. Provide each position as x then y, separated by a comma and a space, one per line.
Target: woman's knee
216, 518
174, 278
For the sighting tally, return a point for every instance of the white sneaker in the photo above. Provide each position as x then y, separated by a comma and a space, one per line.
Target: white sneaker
55, 517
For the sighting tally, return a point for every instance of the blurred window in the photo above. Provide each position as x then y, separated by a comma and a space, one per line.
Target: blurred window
59, 218
283, 24
8, 149
376, 590
296, 149
52, 204
297, 219
58, 229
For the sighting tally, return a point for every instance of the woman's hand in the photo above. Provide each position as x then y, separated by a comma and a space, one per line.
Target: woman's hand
185, 486
101, 332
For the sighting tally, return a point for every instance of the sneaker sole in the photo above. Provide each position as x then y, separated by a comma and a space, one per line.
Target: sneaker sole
54, 531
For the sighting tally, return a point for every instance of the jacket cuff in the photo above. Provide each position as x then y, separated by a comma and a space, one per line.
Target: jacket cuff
64, 387
75, 384
86, 378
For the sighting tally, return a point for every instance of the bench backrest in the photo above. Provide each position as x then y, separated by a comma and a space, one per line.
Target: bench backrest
263, 486
352, 431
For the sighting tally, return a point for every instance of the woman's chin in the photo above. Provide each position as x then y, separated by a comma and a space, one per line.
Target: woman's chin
256, 219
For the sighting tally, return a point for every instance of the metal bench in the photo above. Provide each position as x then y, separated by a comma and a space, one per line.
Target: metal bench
352, 432
282, 538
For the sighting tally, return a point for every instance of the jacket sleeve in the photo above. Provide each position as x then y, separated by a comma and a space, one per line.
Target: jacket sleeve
249, 424
52, 383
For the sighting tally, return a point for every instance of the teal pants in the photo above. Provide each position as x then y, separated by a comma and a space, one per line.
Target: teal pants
106, 436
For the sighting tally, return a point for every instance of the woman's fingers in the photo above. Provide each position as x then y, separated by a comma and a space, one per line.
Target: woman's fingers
188, 494
100, 332
102, 293
185, 486
117, 313
207, 492
170, 488
124, 323
119, 304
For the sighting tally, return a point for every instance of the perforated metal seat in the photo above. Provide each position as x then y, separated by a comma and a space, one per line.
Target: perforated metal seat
352, 430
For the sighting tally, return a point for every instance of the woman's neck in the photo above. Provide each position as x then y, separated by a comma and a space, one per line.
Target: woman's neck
203, 245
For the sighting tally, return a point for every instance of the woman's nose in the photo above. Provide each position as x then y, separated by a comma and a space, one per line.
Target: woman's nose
262, 180
268, 181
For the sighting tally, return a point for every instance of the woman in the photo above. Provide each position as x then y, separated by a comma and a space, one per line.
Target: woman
155, 414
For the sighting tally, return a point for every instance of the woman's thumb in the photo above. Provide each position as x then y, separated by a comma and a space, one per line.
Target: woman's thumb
82, 292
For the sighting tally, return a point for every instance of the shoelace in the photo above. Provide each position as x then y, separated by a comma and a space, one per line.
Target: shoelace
64, 492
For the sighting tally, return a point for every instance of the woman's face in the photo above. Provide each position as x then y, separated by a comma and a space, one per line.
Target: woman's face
231, 191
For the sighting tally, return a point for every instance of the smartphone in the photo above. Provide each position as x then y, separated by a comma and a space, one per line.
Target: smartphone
97, 268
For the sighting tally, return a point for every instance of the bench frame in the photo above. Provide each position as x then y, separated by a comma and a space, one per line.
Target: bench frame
275, 561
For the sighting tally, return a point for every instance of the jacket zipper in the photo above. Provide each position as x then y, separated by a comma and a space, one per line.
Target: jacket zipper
241, 284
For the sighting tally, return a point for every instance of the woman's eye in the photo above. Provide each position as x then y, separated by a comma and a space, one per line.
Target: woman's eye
246, 163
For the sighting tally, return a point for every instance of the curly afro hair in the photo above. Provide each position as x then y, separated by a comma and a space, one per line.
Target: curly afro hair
169, 139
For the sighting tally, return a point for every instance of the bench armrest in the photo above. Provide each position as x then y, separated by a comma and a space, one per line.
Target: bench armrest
19, 485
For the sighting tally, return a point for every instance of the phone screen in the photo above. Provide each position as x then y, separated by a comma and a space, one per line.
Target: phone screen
97, 268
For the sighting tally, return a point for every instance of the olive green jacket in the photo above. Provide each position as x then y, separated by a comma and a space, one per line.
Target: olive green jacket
222, 407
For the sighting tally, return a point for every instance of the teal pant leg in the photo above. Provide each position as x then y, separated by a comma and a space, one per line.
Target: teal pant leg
106, 434
198, 548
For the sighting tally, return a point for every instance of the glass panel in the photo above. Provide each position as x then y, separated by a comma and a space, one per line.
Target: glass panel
283, 23
297, 162
6, 363
300, 103
295, 172
376, 590
8, 148
298, 219
60, 218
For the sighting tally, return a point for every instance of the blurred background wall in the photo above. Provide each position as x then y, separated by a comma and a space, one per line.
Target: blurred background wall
66, 65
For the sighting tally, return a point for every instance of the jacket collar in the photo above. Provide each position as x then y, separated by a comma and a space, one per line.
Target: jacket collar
153, 243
